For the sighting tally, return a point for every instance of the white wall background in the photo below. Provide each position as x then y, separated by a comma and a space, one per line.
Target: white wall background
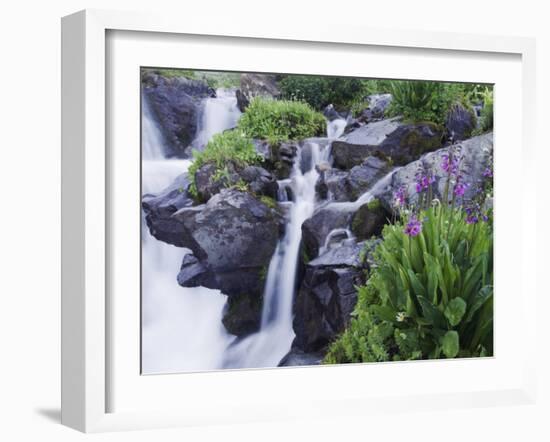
30, 220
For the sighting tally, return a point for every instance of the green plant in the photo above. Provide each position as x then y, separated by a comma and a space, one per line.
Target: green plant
430, 295
424, 100
320, 91
281, 120
487, 110
230, 146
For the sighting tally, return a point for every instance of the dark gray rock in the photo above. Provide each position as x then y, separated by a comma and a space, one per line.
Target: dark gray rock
362, 178
256, 85
316, 229
175, 104
297, 357
260, 181
327, 297
369, 220
390, 139
209, 181
460, 122
377, 106
338, 185
160, 207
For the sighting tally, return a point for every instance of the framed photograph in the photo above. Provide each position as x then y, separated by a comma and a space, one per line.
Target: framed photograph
265, 223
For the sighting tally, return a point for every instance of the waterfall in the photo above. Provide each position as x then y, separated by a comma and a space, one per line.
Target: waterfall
267, 347
151, 139
174, 337
335, 128
218, 114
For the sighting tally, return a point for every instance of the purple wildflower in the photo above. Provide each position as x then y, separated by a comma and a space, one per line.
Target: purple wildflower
450, 164
488, 172
413, 227
460, 188
423, 182
399, 196
472, 219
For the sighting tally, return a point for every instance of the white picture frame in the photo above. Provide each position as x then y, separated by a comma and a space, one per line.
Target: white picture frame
86, 317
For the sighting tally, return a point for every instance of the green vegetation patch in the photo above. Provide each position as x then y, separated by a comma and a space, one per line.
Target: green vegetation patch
281, 120
430, 294
230, 146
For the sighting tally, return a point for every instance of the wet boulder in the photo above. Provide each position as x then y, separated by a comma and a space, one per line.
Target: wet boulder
160, 207
369, 220
327, 296
232, 238
209, 180
175, 103
390, 139
317, 228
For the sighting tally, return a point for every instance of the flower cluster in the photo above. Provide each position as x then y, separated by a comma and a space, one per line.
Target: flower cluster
413, 227
474, 214
450, 164
423, 181
460, 187
400, 197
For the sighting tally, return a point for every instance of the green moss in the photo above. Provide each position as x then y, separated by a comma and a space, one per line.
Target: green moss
305, 257
374, 204
230, 146
268, 201
281, 120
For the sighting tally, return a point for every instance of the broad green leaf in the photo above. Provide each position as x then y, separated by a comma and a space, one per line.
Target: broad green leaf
431, 313
455, 310
482, 296
450, 344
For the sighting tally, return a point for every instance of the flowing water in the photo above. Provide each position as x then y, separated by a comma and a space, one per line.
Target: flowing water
218, 114
335, 128
174, 337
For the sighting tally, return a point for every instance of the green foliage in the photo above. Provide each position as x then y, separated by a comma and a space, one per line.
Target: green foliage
487, 110
213, 79
281, 120
429, 296
424, 100
319, 92
230, 146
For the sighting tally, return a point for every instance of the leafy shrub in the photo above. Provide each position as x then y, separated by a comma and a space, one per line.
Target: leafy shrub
281, 120
319, 92
487, 110
431, 294
424, 100
230, 146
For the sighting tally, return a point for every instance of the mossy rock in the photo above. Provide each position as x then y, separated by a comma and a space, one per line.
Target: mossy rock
243, 314
369, 220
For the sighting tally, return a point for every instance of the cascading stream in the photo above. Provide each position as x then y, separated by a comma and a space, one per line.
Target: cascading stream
267, 347
174, 337
218, 114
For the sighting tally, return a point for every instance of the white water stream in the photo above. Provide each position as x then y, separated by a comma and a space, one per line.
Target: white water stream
218, 114
181, 327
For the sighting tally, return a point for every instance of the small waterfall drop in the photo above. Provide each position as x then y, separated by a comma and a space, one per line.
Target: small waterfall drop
267, 347
218, 114
335, 128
